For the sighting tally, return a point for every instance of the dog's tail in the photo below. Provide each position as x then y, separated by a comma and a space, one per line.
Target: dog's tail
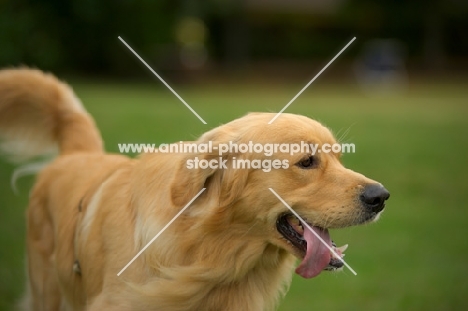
40, 114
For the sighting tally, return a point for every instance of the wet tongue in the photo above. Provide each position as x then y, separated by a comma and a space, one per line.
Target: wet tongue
317, 255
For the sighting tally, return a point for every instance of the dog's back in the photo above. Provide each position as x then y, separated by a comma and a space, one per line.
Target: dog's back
39, 115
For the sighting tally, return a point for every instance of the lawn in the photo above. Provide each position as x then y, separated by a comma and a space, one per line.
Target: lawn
414, 258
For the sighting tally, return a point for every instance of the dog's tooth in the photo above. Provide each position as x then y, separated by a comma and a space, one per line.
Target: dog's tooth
294, 221
300, 229
342, 248
337, 256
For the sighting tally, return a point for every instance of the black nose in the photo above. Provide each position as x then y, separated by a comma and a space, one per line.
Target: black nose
374, 197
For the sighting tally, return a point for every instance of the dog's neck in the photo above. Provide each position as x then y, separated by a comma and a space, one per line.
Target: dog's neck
230, 268
258, 288
227, 273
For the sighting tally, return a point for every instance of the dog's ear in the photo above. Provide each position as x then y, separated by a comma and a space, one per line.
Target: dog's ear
224, 182
189, 180
231, 183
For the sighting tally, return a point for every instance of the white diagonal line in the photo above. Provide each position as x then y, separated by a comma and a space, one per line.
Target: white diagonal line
316, 76
160, 232
164, 82
315, 233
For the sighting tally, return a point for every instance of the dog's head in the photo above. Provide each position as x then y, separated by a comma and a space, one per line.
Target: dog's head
314, 183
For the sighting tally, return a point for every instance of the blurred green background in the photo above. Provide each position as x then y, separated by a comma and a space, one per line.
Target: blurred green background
399, 93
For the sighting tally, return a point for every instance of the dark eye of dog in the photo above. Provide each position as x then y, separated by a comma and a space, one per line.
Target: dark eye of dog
308, 163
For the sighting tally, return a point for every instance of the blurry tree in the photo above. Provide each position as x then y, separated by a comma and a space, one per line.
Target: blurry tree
427, 27
81, 35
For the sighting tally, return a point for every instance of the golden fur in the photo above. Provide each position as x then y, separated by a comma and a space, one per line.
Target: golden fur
98, 209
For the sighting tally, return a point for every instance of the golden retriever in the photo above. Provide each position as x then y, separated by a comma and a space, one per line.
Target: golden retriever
233, 249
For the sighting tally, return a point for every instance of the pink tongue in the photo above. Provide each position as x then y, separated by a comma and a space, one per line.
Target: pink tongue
317, 256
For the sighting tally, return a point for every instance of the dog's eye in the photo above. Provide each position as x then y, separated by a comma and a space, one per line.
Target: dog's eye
307, 163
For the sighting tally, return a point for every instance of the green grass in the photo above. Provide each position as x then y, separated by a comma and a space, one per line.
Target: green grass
414, 258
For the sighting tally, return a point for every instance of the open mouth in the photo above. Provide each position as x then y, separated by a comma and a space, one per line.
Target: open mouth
316, 257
